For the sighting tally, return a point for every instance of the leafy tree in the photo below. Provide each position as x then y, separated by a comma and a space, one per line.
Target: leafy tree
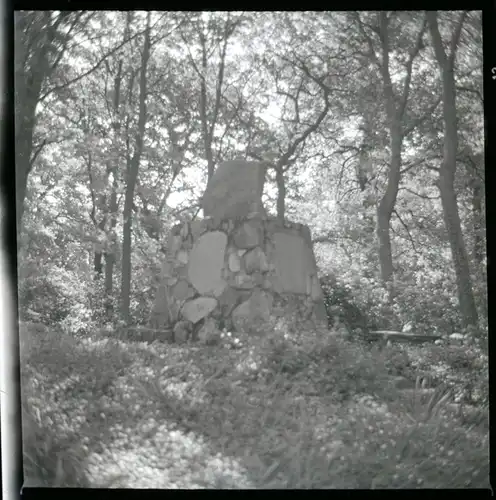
396, 99
41, 39
346, 109
132, 175
447, 170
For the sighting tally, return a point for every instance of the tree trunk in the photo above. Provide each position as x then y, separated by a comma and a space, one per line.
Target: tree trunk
479, 244
208, 123
447, 171
386, 206
452, 223
281, 194
27, 81
97, 265
132, 176
34, 33
98, 258
207, 138
111, 210
24, 144
395, 106
477, 219
110, 261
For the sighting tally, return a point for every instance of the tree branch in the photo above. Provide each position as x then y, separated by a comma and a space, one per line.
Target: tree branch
472, 91
423, 196
220, 78
422, 118
311, 128
455, 39
411, 165
37, 152
406, 229
431, 17
327, 238
91, 70
409, 65
371, 52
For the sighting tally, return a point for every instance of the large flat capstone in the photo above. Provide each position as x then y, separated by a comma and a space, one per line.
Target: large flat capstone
235, 190
206, 262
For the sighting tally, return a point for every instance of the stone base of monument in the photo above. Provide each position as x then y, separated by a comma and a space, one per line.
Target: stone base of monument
240, 274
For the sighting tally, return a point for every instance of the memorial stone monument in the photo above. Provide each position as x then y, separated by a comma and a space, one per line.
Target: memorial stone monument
237, 268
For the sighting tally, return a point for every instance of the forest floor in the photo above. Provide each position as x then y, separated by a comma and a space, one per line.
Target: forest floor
290, 412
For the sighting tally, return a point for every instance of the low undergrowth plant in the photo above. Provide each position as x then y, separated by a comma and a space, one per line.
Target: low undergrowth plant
414, 447
49, 460
63, 381
298, 409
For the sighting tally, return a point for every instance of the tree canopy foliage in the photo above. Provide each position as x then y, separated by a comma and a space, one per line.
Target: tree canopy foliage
371, 124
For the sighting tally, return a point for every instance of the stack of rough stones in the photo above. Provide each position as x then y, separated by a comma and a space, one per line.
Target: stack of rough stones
236, 268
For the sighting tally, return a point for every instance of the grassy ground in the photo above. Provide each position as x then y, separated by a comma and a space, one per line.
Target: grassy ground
294, 412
